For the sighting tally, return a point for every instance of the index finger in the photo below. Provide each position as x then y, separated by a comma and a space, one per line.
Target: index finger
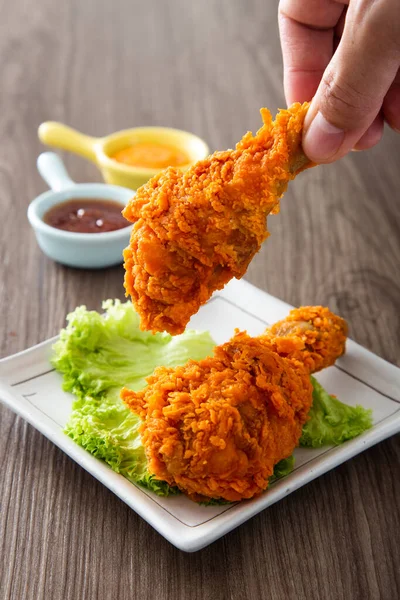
307, 36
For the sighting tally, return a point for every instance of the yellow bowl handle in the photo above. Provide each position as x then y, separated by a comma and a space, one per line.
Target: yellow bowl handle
61, 136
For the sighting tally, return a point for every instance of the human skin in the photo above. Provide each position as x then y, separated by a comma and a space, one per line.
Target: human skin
345, 56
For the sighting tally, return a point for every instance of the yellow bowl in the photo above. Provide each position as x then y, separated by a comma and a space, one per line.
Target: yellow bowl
100, 150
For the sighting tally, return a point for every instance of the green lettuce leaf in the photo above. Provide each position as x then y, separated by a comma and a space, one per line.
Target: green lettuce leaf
97, 352
282, 468
106, 428
331, 421
98, 355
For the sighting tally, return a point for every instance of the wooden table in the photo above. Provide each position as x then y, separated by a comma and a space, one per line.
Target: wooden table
207, 67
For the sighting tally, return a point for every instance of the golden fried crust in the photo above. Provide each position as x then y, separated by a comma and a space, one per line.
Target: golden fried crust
195, 231
312, 335
217, 427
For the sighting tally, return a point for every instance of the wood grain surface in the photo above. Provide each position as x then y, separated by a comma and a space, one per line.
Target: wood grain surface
208, 67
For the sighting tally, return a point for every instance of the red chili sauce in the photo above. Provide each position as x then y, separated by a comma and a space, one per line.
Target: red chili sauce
86, 215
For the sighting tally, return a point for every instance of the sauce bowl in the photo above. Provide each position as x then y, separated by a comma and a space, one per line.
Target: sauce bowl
82, 250
100, 150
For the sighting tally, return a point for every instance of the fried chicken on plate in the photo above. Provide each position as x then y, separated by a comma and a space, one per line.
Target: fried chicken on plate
217, 427
195, 231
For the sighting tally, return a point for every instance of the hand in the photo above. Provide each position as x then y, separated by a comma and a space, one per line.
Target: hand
345, 54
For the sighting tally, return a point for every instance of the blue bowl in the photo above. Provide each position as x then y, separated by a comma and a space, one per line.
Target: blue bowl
82, 250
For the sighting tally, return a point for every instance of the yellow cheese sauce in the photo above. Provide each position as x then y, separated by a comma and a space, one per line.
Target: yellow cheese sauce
151, 156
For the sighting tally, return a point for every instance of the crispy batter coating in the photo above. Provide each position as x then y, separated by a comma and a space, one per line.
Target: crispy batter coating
311, 334
195, 231
217, 427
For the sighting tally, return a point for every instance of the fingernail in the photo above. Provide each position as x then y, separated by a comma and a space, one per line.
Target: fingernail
322, 140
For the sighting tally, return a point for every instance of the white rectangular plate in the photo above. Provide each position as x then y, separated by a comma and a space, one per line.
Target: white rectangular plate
30, 387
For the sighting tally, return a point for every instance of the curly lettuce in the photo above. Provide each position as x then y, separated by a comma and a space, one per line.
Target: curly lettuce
99, 354
332, 422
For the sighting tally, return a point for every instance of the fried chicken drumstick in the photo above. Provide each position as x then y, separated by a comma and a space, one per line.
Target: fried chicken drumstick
216, 428
195, 231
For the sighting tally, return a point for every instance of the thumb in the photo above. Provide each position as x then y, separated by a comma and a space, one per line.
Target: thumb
355, 82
